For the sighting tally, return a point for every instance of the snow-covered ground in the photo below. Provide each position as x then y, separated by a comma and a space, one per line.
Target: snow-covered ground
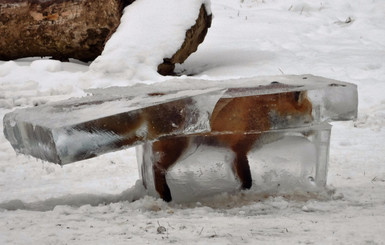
92, 202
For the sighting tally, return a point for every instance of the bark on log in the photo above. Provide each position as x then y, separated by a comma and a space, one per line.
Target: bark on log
61, 29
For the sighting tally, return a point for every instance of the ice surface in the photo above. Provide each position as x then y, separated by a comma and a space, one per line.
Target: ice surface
78, 129
281, 161
119, 117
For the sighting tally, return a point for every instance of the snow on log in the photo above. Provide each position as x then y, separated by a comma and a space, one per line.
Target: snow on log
56, 28
153, 36
194, 36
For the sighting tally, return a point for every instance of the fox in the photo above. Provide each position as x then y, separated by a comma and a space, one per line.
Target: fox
231, 122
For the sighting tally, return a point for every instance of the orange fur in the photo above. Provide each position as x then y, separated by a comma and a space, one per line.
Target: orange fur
231, 118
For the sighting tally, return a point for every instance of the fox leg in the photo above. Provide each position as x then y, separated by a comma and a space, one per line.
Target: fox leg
242, 170
241, 163
160, 183
167, 153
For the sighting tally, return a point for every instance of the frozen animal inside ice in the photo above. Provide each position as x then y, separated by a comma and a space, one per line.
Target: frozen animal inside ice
236, 123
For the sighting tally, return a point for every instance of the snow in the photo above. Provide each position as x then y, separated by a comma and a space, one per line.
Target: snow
92, 202
143, 38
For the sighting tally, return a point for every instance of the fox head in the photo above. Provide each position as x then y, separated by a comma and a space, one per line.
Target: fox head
290, 109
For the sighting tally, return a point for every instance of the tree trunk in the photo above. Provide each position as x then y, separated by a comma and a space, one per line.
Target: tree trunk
60, 29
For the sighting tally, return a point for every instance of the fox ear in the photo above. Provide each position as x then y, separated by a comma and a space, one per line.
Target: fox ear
300, 96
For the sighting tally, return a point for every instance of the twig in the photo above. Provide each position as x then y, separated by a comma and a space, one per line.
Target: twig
201, 231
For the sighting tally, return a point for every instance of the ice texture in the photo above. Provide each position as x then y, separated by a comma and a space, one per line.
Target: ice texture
119, 117
281, 162
79, 129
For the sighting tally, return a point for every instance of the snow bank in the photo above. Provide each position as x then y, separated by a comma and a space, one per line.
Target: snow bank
77, 200
31, 81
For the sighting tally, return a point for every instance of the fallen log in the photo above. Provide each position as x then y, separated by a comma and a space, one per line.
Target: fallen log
77, 29
56, 28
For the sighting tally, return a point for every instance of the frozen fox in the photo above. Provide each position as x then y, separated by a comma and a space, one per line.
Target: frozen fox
231, 118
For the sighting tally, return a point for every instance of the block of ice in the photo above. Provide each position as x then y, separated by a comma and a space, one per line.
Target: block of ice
115, 118
280, 161
78, 129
